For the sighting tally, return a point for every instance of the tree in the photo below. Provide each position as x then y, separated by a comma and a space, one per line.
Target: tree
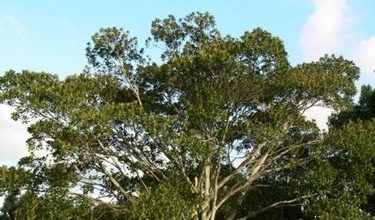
197, 136
361, 113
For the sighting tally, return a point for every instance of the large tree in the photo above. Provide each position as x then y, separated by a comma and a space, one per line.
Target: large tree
214, 130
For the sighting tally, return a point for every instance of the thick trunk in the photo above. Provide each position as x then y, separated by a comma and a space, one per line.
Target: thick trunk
206, 192
213, 214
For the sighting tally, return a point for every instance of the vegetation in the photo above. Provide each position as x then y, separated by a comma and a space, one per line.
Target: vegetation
213, 131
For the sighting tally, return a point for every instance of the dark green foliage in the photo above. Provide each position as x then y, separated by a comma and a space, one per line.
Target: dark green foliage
364, 110
361, 116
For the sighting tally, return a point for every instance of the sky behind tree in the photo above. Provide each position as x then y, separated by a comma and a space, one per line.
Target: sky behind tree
51, 36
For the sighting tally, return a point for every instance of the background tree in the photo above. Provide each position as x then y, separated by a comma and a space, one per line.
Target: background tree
202, 135
362, 113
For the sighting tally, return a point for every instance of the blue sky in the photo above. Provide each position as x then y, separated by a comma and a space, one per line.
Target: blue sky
52, 35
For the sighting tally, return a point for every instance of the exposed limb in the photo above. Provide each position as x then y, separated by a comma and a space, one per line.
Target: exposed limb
100, 165
92, 199
113, 180
143, 183
278, 204
306, 107
298, 162
140, 157
249, 159
114, 160
134, 88
238, 188
179, 164
278, 154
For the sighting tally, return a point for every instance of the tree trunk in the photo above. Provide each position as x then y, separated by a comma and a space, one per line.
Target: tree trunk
206, 192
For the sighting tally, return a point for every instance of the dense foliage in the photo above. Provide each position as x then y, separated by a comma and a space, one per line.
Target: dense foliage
213, 131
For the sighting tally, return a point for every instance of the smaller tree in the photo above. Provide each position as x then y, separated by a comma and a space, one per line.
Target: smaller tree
361, 113
364, 110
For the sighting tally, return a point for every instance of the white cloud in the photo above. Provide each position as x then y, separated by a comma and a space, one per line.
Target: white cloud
325, 30
12, 137
329, 29
365, 56
319, 115
10, 24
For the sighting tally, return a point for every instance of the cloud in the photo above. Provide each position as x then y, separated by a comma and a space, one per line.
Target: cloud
365, 56
329, 29
325, 32
325, 29
319, 115
13, 136
10, 24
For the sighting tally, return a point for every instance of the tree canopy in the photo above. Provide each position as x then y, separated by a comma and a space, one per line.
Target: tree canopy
216, 130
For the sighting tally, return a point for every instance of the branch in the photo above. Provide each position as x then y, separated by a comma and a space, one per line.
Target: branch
100, 165
131, 149
115, 162
286, 150
305, 108
92, 199
278, 204
297, 163
179, 164
249, 159
113, 180
254, 174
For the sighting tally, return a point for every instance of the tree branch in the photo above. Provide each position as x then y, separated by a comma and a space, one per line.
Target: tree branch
277, 204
